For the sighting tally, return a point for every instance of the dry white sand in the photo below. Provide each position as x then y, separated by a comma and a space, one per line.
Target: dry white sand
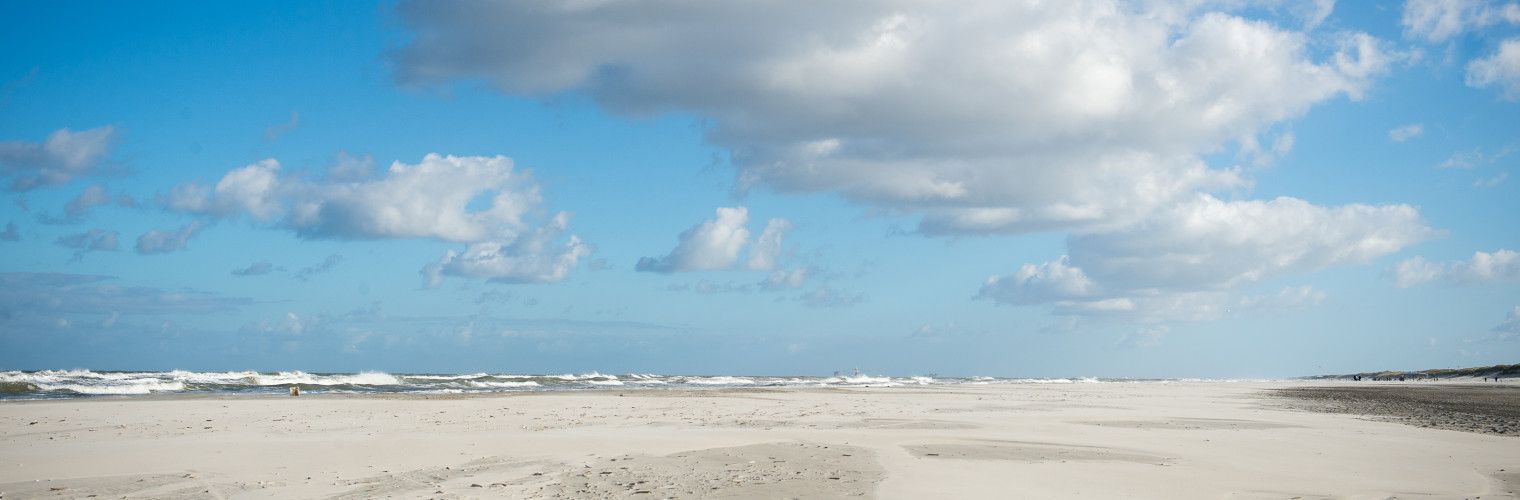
1185, 440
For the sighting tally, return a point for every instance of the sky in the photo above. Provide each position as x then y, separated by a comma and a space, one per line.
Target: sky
1236, 188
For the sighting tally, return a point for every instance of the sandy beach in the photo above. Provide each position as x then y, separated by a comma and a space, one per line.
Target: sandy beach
1137, 440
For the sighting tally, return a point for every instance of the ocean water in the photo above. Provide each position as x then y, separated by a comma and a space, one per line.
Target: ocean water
49, 384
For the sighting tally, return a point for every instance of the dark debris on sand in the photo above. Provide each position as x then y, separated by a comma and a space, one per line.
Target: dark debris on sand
1470, 408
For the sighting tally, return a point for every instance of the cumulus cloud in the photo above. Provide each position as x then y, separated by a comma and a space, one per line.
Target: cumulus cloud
259, 268
449, 198
716, 245
1091, 117
536, 257
1497, 267
1501, 70
60, 158
1441, 20
1192, 254
1406, 132
157, 241
478, 200
1037, 284
991, 117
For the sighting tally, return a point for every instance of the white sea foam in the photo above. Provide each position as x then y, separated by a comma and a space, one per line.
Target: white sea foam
299, 377
138, 386
448, 377
719, 381
213, 377
486, 384
586, 376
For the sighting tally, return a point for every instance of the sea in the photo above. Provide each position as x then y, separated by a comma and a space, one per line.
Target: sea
54, 384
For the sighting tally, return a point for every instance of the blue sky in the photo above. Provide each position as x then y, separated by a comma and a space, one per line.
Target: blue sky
1220, 189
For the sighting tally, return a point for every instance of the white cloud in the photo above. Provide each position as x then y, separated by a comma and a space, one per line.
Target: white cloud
1086, 116
167, 240
1406, 132
1500, 266
985, 117
253, 190
1049, 282
1502, 70
450, 198
1440, 20
478, 200
767, 247
60, 158
716, 245
1211, 243
1182, 262
535, 257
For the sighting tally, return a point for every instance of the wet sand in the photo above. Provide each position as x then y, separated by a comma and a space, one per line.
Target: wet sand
1184, 440
1471, 407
